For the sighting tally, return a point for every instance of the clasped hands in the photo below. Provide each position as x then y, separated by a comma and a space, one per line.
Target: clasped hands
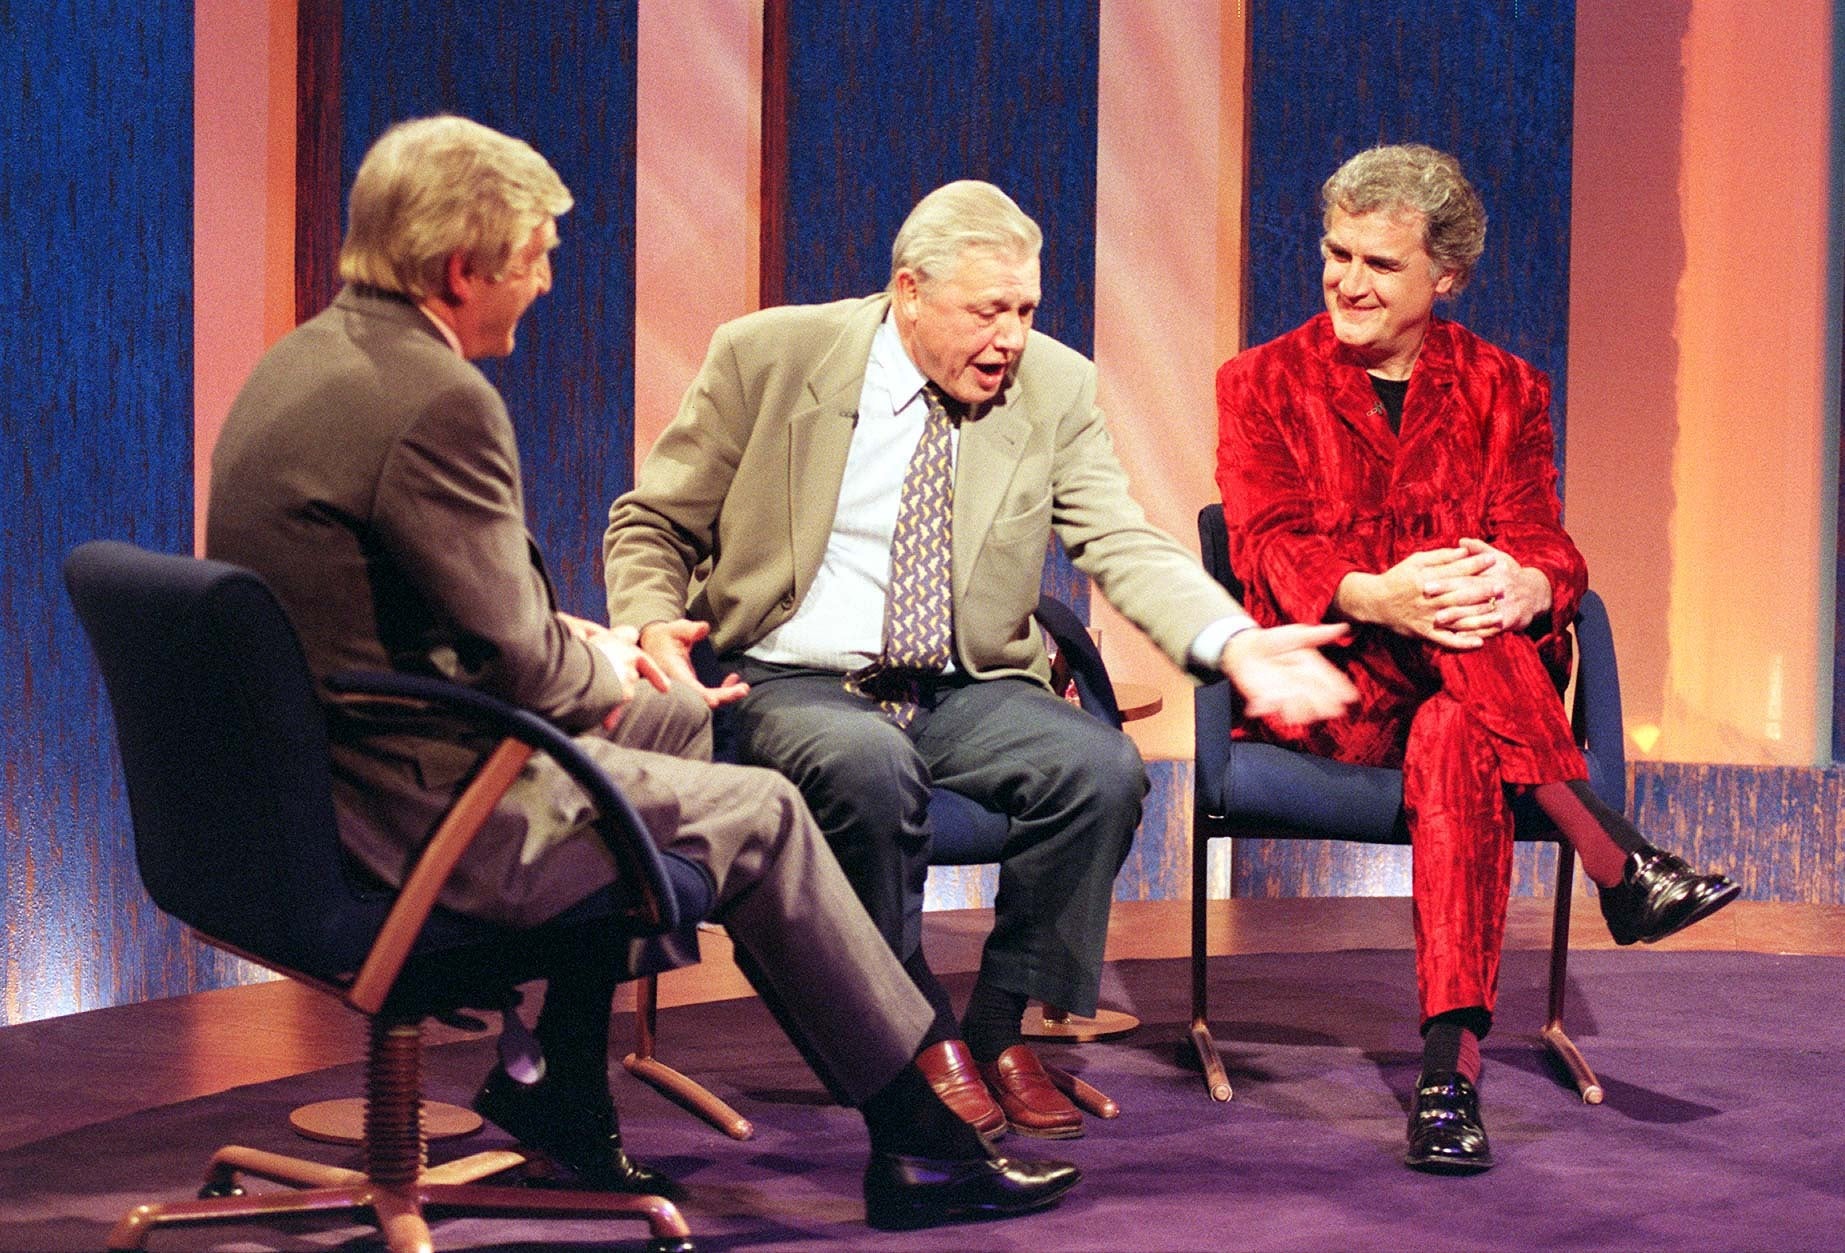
1457, 598
621, 645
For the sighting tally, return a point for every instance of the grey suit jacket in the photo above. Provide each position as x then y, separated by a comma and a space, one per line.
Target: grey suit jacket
369, 474
729, 519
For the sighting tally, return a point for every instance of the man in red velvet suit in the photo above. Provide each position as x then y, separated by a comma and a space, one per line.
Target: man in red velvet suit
1384, 467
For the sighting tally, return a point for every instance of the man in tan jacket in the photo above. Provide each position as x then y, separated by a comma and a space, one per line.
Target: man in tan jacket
855, 501
368, 472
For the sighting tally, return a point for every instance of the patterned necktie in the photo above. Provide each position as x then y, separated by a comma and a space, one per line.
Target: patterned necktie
918, 608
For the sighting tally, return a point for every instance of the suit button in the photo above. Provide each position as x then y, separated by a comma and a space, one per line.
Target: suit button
788, 600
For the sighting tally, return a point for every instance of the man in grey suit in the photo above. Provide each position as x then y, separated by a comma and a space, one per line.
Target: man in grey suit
855, 501
369, 473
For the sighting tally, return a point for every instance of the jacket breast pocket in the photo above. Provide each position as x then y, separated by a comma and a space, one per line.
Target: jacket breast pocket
1023, 525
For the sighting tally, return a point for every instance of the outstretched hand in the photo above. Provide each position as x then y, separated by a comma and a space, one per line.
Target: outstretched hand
1282, 676
670, 646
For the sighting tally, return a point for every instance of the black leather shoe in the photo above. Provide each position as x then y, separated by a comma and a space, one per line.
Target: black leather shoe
574, 1128
903, 1192
1446, 1136
1659, 894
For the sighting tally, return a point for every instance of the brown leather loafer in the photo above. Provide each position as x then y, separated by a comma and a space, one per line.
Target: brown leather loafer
950, 1070
1031, 1102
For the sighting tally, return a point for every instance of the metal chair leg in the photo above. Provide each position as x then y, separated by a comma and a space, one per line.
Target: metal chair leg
1216, 1082
1091, 1098
395, 1187
687, 1093
1555, 1038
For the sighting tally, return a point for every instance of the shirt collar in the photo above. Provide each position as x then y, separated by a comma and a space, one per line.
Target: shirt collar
890, 366
448, 332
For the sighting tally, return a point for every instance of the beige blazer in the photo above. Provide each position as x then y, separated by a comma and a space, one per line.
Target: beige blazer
730, 516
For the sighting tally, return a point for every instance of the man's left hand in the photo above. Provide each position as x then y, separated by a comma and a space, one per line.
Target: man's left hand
1282, 676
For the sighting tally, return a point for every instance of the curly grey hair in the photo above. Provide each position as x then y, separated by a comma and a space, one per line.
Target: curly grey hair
1415, 176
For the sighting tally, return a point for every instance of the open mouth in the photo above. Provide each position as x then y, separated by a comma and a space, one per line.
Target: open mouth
991, 373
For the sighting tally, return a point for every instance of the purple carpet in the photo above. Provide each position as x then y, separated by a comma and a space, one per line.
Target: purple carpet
1724, 1127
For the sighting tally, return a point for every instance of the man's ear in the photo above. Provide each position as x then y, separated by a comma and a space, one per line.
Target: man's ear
903, 292
460, 279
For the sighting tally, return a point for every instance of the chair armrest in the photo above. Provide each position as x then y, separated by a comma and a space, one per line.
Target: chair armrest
390, 949
523, 733
1213, 714
1597, 715
1094, 688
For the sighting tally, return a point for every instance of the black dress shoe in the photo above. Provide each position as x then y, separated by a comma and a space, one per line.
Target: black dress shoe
1446, 1136
1659, 894
575, 1128
903, 1192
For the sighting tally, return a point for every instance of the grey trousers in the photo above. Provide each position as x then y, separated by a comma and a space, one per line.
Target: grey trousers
800, 933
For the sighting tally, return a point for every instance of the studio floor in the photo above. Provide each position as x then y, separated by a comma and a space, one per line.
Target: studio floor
1317, 1045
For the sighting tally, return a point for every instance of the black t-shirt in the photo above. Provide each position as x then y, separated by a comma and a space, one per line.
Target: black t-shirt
1390, 393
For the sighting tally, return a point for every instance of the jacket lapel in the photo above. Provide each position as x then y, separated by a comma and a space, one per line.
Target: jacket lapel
990, 450
1352, 400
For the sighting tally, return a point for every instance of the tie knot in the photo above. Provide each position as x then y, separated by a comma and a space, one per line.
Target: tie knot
941, 405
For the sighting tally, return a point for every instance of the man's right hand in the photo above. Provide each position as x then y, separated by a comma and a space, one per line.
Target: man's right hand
1282, 675
670, 645
1407, 597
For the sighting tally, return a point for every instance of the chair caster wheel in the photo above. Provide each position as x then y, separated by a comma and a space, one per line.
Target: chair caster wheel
217, 1189
671, 1244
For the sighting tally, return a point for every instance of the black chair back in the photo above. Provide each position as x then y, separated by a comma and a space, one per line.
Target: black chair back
1214, 541
224, 749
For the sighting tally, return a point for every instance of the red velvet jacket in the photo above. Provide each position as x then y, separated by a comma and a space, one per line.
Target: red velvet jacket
1316, 485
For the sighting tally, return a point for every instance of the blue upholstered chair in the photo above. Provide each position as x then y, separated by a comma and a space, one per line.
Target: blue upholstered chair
224, 748
966, 834
1252, 790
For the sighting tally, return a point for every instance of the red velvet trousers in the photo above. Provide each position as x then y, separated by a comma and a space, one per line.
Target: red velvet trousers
1468, 730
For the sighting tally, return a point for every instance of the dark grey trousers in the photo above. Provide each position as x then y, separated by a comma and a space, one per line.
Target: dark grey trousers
1071, 785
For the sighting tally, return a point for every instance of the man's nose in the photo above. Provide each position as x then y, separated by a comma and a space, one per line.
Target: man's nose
1010, 336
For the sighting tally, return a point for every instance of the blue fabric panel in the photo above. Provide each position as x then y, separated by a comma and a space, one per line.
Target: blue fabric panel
888, 100
96, 218
562, 77
1491, 83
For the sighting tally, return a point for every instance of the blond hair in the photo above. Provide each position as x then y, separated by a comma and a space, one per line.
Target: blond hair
435, 186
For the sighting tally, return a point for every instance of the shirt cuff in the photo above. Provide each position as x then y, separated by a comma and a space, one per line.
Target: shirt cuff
1208, 645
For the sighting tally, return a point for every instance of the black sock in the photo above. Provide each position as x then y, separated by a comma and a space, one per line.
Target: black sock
573, 1029
991, 1024
944, 1027
906, 1116
1451, 1042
